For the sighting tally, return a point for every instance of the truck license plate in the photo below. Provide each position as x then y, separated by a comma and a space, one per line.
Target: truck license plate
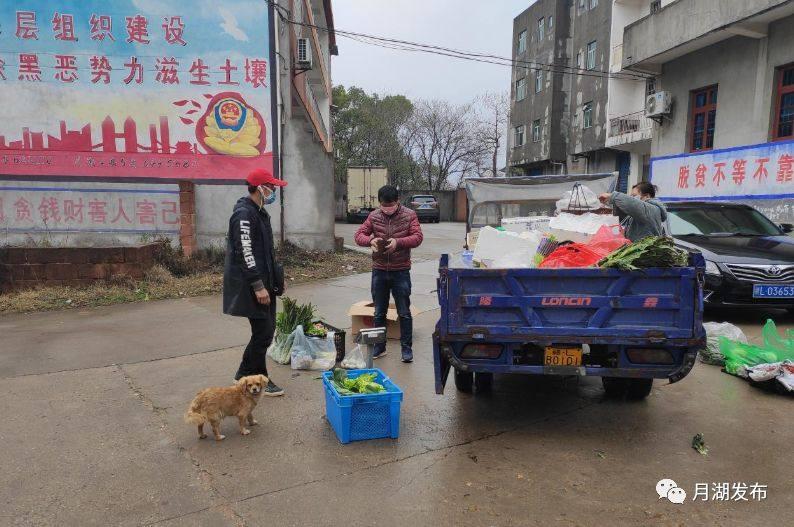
773, 291
554, 356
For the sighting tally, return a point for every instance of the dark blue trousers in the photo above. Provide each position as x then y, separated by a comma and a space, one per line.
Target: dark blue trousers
398, 285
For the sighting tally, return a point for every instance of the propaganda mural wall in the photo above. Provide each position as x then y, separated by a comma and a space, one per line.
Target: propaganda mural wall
102, 92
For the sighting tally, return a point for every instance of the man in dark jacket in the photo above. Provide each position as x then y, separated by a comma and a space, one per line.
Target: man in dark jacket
252, 278
641, 213
392, 231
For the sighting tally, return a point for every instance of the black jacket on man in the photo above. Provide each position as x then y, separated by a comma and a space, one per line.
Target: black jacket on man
250, 261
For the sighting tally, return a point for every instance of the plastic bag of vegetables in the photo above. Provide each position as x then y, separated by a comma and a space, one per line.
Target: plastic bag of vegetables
740, 356
711, 354
312, 353
355, 359
279, 349
292, 316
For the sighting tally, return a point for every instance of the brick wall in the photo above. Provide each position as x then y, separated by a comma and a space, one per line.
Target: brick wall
23, 268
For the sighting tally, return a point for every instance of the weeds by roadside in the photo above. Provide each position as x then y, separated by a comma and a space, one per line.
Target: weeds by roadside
207, 260
114, 291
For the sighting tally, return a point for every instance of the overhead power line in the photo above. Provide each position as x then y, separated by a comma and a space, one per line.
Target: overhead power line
416, 47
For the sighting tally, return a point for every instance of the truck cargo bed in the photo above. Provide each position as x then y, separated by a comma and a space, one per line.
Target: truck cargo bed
620, 319
530, 303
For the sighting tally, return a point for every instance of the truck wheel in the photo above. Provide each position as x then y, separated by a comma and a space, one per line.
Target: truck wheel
483, 382
464, 381
614, 386
639, 388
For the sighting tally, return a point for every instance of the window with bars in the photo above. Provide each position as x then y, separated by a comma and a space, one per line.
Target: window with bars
579, 60
587, 115
784, 104
551, 22
521, 89
522, 41
591, 55
656, 6
593, 4
541, 28
518, 136
702, 118
538, 81
536, 131
650, 86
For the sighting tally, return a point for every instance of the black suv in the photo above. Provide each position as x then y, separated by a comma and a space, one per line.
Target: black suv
425, 206
749, 259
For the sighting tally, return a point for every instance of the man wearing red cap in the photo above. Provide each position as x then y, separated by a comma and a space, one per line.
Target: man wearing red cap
252, 278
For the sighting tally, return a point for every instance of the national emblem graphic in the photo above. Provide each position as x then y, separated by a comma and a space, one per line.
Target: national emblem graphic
231, 127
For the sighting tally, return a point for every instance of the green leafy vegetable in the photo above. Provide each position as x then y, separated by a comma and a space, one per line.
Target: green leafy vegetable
363, 384
654, 251
699, 444
294, 315
317, 330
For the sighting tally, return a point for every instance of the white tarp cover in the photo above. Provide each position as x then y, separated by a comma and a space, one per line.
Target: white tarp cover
543, 190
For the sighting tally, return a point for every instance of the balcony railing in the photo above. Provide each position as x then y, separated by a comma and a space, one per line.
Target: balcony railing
629, 123
629, 128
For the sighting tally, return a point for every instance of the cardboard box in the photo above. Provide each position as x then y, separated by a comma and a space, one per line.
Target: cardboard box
362, 314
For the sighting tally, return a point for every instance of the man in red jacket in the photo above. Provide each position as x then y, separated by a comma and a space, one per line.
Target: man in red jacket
392, 231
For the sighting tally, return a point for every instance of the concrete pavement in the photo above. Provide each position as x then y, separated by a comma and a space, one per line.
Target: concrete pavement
93, 434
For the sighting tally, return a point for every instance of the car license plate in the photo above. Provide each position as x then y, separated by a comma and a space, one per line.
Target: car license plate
554, 356
425, 207
773, 291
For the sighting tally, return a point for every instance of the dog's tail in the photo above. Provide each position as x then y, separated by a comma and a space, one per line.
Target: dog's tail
192, 416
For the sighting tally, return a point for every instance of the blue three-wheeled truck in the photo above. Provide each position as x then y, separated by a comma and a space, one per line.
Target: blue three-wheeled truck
627, 327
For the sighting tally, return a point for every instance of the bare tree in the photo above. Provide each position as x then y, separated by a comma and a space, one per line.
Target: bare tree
444, 141
493, 116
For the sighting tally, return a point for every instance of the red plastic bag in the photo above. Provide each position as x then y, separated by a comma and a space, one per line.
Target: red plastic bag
571, 255
608, 240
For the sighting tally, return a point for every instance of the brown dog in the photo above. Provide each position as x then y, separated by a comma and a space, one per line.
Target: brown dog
211, 405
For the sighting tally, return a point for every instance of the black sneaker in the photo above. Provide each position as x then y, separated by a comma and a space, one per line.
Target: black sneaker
271, 390
378, 353
407, 355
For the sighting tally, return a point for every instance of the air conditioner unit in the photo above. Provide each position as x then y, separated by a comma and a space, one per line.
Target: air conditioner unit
658, 104
304, 54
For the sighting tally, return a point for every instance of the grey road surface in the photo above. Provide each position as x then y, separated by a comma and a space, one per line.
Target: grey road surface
92, 403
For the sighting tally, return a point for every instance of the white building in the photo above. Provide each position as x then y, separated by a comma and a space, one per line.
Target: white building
306, 136
628, 128
726, 68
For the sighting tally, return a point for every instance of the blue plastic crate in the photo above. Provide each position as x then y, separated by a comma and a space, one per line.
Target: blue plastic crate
360, 417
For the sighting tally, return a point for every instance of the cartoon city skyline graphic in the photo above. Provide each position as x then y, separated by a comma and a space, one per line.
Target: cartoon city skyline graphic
112, 141
238, 132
